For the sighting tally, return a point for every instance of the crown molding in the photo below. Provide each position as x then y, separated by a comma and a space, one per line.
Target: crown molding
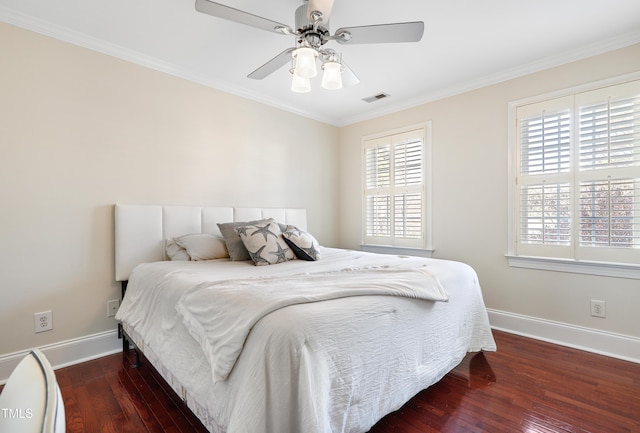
46, 28
601, 47
37, 25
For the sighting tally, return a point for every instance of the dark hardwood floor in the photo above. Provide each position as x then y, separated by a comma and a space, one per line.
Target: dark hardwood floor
526, 386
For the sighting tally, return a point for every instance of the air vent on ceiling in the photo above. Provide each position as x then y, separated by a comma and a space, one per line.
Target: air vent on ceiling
377, 97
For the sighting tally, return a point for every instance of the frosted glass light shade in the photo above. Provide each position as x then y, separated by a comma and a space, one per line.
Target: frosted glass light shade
300, 84
305, 62
332, 76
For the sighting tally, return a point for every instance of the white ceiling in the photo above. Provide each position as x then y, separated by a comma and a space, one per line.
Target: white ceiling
466, 44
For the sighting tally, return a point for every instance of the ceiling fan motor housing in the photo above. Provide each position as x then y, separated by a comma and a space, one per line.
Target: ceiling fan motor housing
315, 36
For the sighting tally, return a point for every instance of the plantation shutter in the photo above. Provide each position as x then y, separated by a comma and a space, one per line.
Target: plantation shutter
378, 184
394, 190
578, 182
608, 174
544, 181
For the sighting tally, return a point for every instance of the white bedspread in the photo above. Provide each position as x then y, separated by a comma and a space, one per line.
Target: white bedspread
332, 366
219, 315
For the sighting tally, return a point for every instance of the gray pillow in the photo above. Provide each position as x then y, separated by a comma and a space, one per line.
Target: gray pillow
235, 247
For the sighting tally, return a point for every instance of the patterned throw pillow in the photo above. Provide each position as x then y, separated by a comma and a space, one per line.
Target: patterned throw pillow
303, 244
236, 248
265, 243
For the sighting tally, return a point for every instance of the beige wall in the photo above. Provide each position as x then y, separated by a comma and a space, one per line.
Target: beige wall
80, 131
470, 197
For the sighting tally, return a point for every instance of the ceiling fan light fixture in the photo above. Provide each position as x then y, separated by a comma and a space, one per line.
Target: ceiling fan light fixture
332, 75
305, 58
311, 31
300, 84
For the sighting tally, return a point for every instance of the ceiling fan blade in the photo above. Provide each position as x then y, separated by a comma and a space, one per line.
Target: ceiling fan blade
272, 65
349, 78
381, 33
238, 16
322, 6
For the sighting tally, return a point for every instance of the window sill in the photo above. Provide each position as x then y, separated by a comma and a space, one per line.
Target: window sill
605, 269
384, 249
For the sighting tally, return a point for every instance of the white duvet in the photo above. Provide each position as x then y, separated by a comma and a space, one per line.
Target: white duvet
333, 366
211, 310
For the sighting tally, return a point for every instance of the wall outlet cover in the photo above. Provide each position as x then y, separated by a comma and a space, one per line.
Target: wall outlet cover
112, 307
43, 321
598, 308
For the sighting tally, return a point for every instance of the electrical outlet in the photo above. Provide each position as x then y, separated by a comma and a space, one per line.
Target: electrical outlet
598, 308
43, 321
112, 307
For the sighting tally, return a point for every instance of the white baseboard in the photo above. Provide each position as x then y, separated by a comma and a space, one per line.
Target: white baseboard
65, 353
77, 350
592, 340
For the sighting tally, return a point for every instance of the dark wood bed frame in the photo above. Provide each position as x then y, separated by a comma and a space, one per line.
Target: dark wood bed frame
127, 343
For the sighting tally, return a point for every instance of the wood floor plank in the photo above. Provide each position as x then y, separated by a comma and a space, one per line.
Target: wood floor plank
527, 386
131, 420
537, 387
186, 419
147, 417
173, 419
74, 418
94, 419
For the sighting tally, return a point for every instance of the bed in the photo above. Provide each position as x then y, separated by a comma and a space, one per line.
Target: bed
346, 340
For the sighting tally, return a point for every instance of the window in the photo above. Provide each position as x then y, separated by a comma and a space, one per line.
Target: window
577, 176
395, 195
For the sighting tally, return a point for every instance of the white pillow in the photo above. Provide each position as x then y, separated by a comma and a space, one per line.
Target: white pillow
303, 244
265, 243
203, 246
175, 252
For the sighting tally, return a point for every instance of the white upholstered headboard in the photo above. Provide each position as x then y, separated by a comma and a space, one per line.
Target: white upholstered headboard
140, 230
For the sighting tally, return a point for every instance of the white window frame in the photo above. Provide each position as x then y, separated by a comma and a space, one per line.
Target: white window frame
391, 244
544, 260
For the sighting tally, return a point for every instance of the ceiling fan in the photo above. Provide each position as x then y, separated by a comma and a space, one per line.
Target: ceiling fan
312, 33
